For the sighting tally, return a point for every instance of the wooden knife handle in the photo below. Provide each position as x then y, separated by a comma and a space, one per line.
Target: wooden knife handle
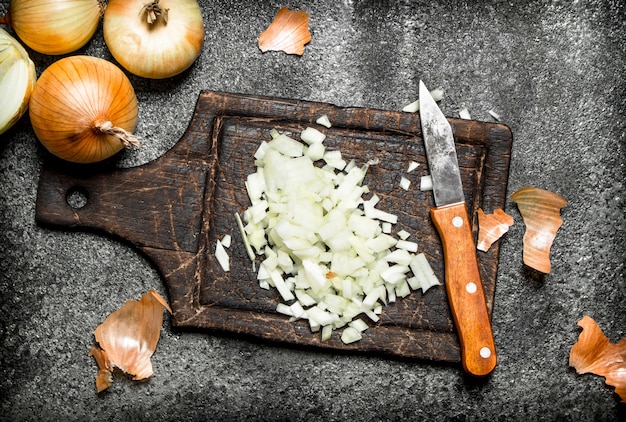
465, 289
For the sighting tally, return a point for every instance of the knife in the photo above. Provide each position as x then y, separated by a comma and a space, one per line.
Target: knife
462, 277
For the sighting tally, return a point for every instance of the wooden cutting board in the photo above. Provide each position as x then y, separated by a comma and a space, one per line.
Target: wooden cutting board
174, 209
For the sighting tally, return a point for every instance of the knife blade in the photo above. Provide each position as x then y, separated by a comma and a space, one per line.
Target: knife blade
462, 276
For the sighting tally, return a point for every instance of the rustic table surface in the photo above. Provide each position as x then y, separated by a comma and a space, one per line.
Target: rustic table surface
553, 72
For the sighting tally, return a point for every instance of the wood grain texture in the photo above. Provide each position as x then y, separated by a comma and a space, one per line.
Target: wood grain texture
174, 208
465, 289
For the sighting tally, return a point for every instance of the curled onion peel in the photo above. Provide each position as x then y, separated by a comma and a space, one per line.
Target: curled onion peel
594, 353
492, 227
54, 26
128, 338
17, 80
83, 109
540, 210
154, 39
323, 246
288, 32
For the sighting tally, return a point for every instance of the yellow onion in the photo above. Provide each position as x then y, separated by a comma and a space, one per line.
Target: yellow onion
54, 26
83, 109
154, 39
17, 79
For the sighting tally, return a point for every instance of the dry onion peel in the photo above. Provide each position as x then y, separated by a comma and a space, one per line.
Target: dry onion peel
594, 353
154, 39
288, 32
17, 80
54, 26
128, 338
540, 210
491, 227
83, 109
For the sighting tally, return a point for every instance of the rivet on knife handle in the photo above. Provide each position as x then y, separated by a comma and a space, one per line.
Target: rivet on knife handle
465, 289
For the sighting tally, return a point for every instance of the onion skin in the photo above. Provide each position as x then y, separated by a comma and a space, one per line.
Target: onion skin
540, 210
73, 99
492, 227
288, 32
55, 26
158, 50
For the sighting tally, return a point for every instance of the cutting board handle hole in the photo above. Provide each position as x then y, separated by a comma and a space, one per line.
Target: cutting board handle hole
76, 197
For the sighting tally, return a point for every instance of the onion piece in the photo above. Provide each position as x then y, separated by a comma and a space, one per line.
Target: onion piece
288, 32
311, 135
594, 353
491, 227
17, 80
128, 338
222, 256
405, 183
324, 121
426, 183
437, 95
494, 115
350, 335
540, 210
465, 114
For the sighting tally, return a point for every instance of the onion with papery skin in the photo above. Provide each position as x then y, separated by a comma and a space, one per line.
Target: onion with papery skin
54, 26
17, 80
83, 109
154, 39
540, 210
128, 338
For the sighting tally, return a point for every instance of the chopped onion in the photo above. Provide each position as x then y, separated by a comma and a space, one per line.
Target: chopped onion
465, 114
222, 256
412, 166
437, 95
350, 335
324, 121
424, 272
327, 251
405, 183
426, 183
403, 234
405, 244
246, 243
412, 108
311, 135
494, 115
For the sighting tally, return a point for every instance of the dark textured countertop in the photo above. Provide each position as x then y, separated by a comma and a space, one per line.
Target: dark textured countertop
553, 71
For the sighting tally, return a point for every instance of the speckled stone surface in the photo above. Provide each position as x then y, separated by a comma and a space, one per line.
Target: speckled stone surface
553, 71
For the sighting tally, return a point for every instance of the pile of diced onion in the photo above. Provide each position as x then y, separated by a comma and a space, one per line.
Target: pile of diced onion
329, 252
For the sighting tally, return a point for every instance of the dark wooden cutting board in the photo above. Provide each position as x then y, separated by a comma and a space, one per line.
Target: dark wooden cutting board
174, 209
